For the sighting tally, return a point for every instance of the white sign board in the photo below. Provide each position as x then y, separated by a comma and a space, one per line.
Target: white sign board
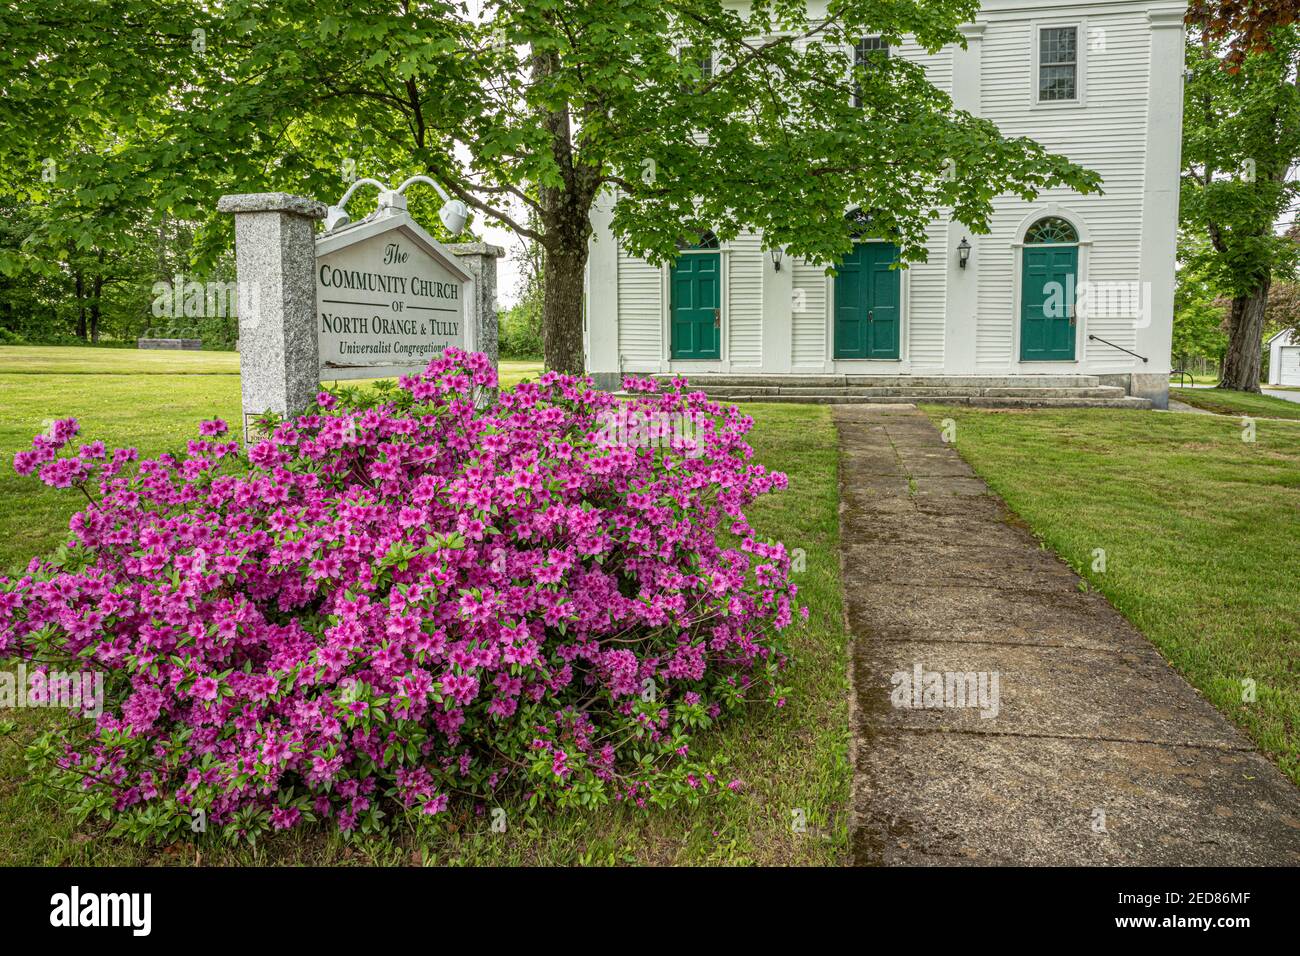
389, 298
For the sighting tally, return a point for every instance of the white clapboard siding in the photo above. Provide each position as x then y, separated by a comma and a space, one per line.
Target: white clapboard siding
1107, 135
808, 315
928, 303
640, 311
927, 299
744, 261
938, 65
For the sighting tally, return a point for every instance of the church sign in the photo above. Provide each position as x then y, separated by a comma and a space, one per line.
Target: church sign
374, 299
389, 298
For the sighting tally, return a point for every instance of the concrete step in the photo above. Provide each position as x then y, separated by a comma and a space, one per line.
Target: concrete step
914, 391
827, 399
1090, 391
1123, 402
976, 381
703, 380
855, 398
724, 391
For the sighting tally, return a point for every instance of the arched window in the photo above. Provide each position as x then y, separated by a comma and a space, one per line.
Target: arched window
1051, 229
859, 222
705, 240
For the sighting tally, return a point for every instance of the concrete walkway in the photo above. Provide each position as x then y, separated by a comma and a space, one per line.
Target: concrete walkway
1094, 750
1282, 393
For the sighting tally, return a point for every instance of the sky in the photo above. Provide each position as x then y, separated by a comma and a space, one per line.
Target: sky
508, 268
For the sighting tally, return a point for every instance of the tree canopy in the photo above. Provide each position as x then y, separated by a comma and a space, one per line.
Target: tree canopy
1241, 138
699, 115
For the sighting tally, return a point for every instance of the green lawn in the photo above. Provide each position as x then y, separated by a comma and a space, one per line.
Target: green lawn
797, 759
1201, 532
75, 360
1225, 402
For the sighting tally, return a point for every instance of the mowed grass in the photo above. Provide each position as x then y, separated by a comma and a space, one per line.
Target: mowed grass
76, 360
794, 759
1201, 534
1227, 402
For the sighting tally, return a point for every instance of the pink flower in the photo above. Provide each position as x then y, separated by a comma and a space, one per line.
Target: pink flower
414, 599
282, 818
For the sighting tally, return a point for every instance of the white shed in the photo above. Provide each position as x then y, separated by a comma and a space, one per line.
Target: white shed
1284, 358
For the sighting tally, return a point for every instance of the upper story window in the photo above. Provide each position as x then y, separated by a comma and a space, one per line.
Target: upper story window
1058, 64
703, 58
864, 51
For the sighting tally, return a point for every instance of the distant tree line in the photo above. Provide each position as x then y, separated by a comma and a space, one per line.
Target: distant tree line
100, 294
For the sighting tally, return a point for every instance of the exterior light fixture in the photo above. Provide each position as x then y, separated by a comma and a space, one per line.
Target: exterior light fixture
963, 253
777, 256
337, 217
454, 213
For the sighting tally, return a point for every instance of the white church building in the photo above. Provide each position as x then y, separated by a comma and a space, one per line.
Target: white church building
1099, 82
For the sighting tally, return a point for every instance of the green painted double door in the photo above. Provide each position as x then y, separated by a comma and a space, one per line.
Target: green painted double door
867, 320
1047, 317
696, 306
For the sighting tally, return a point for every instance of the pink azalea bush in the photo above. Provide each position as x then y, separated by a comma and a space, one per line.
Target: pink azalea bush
392, 608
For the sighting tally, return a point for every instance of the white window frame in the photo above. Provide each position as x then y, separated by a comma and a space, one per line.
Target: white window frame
856, 95
1080, 26
1081, 358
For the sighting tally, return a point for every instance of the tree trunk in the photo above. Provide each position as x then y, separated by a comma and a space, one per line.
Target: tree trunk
81, 305
1241, 362
97, 292
562, 299
565, 212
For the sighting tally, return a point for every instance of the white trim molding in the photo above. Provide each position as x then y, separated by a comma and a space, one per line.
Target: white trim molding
1084, 245
1081, 41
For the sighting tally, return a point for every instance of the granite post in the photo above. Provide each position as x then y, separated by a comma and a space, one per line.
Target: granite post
275, 257
480, 260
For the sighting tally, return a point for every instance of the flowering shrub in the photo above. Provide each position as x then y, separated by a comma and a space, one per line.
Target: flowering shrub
396, 606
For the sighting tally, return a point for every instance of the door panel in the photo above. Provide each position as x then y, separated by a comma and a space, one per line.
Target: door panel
867, 306
883, 325
1289, 360
1047, 313
695, 306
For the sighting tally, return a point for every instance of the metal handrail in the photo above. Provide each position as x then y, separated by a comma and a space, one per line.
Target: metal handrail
1114, 346
1182, 374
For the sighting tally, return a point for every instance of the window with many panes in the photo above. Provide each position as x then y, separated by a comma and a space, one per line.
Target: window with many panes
864, 51
1058, 64
703, 58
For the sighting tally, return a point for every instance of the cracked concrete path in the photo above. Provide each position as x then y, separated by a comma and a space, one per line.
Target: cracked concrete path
1094, 750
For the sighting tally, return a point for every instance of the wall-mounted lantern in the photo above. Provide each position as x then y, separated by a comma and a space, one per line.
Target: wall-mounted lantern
777, 256
963, 253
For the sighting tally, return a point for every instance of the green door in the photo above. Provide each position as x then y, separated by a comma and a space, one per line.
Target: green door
1047, 303
867, 303
696, 303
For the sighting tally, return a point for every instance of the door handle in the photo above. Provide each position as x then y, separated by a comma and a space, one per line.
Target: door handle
870, 314
717, 318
